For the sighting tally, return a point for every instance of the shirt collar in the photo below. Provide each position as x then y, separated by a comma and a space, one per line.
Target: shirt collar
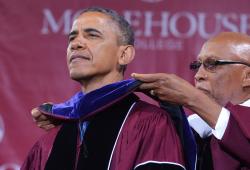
246, 103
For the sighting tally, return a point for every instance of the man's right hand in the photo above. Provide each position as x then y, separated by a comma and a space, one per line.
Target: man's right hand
173, 89
43, 121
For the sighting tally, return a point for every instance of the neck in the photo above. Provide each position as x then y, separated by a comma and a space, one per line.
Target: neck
244, 97
99, 81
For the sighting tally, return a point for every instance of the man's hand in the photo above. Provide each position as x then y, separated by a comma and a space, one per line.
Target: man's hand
167, 87
173, 89
43, 121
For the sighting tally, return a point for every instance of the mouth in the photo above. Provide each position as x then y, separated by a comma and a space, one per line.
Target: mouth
203, 90
78, 56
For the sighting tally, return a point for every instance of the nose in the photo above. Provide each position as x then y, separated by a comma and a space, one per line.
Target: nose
201, 74
77, 44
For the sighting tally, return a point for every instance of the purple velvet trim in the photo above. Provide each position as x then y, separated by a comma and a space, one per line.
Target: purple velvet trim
82, 106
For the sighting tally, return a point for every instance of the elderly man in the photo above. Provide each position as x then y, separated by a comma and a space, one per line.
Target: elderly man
222, 77
121, 134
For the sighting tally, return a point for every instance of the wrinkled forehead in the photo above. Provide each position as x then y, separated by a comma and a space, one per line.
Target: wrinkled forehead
90, 18
226, 50
101, 22
97, 18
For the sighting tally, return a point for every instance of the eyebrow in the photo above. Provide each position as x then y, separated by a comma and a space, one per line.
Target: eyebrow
88, 30
207, 56
75, 32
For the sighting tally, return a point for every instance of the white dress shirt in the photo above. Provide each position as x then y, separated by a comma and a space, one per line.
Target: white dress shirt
204, 130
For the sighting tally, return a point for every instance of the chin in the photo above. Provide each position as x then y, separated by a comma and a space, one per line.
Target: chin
213, 98
79, 76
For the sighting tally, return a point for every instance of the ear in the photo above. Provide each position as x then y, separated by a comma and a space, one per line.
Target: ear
246, 78
127, 54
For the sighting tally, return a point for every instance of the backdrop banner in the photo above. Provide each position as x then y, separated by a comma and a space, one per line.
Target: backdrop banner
33, 42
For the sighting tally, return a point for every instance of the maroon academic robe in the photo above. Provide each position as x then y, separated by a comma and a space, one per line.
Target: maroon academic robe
146, 139
232, 152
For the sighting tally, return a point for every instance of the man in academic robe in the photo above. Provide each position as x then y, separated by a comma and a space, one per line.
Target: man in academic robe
220, 99
120, 134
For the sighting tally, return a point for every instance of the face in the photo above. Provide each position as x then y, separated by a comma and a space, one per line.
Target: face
93, 49
223, 83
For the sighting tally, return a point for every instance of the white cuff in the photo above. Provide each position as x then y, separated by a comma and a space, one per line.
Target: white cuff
221, 124
199, 125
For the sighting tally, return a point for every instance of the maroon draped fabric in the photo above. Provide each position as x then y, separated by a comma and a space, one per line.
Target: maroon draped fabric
147, 136
233, 150
33, 41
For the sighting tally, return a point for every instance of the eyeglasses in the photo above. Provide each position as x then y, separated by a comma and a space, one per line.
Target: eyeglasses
210, 64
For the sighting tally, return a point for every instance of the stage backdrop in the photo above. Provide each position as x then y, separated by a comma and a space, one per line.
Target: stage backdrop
33, 41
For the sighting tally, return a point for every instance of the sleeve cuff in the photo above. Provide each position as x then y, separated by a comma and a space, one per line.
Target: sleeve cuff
221, 124
199, 125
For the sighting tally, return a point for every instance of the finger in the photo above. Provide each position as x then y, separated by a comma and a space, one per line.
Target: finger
35, 113
42, 118
152, 92
42, 124
148, 86
148, 77
39, 117
48, 103
48, 127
